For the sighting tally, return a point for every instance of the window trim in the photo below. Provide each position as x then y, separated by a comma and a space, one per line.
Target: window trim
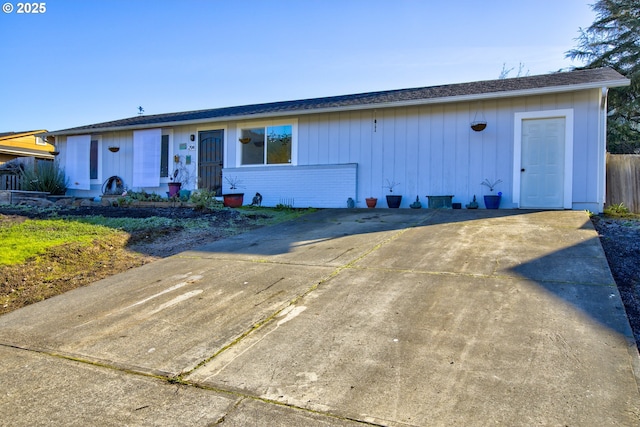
265, 124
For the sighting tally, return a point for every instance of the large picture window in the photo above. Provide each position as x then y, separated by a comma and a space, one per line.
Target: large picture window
270, 145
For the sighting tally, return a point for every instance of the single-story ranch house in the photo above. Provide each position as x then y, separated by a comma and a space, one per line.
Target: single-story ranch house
545, 139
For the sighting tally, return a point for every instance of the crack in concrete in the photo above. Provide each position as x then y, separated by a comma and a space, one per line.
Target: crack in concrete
178, 380
274, 283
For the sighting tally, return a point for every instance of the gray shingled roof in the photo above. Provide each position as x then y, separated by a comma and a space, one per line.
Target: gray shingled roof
3, 134
489, 88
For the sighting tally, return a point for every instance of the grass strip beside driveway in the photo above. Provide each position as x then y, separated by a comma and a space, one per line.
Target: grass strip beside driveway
28, 239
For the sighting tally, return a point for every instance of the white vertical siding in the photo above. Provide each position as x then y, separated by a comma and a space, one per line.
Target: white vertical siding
119, 163
413, 167
364, 158
345, 139
429, 149
585, 174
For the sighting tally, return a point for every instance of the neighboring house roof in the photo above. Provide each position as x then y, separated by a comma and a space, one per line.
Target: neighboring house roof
5, 136
25, 144
519, 86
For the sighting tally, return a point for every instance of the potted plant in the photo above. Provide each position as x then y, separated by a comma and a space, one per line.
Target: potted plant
416, 204
393, 200
174, 184
492, 201
371, 202
473, 204
181, 177
233, 199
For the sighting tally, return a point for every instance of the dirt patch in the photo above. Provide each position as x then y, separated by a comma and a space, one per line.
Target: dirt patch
64, 268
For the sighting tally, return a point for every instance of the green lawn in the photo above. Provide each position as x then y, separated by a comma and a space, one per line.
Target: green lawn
20, 242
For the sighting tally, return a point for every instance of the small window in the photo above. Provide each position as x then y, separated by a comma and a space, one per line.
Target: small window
93, 159
164, 156
269, 145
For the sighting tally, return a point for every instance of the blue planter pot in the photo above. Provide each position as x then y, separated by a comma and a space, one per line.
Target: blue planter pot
394, 201
492, 201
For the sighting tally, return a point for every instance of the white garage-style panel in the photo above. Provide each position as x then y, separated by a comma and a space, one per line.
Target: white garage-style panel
543, 159
542, 167
76, 167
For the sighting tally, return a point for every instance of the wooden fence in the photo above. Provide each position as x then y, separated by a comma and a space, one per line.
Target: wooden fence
623, 180
9, 181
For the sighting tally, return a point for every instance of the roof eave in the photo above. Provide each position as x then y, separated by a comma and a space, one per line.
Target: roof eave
25, 152
23, 134
408, 103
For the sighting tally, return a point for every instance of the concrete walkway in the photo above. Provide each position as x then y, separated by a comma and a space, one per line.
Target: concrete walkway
342, 317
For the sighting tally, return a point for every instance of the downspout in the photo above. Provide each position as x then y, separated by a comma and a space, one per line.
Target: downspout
602, 148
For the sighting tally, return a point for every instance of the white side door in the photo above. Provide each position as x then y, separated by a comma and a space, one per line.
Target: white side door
542, 173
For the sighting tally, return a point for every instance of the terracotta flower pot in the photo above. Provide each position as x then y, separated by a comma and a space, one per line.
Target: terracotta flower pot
234, 200
371, 202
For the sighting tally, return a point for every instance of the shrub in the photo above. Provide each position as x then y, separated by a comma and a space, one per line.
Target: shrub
618, 209
44, 176
205, 199
143, 196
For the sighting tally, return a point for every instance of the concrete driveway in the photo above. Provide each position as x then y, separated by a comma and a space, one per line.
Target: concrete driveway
342, 317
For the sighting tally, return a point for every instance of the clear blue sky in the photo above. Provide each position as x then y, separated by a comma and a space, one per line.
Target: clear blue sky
88, 61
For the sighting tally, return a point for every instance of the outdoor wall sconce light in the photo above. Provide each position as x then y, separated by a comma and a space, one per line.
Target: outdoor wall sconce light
192, 137
176, 158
